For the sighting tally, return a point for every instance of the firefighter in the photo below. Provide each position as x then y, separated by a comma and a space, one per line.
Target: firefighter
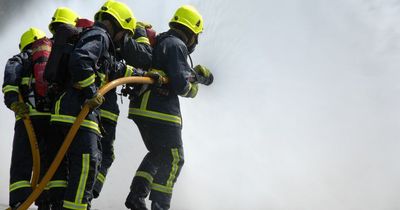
136, 51
157, 112
62, 17
19, 79
89, 64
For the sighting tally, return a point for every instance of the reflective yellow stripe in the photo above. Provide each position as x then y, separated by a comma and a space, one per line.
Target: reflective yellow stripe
155, 115
103, 79
101, 177
72, 205
145, 100
161, 188
128, 71
88, 81
56, 183
108, 115
172, 175
34, 112
142, 111
174, 169
57, 106
82, 180
27, 80
143, 39
145, 175
70, 119
20, 184
9, 88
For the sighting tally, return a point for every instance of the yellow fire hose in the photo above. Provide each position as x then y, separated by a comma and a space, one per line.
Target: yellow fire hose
34, 147
71, 134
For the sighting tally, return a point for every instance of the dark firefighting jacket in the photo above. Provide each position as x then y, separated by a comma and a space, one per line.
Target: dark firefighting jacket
18, 79
161, 104
90, 63
136, 52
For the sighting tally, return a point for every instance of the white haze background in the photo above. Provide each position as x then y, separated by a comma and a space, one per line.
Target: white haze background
303, 113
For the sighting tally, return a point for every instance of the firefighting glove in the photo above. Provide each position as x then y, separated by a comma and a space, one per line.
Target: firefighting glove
132, 71
143, 25
96, 101
203, 75
192, 92
158, 76
20, 108
140, 35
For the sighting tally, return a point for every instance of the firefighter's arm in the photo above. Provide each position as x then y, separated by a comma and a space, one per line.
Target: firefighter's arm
132, 71
140, 35
179, 72
125, 70
82, 62
137, 51
147, 31
191, 90
12, 79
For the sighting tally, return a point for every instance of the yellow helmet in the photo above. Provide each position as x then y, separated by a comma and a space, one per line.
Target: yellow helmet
63, 15
29, 36
188, 16
121, 12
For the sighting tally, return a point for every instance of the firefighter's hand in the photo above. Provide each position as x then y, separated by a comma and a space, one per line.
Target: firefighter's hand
205, 75
21, 109
158, 76
202, 70
192, 92
143, 25
96, 101
132, 71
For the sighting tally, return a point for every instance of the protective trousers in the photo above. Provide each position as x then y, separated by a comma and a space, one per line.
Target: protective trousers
78, 170
160, 167
107, 148
21, 158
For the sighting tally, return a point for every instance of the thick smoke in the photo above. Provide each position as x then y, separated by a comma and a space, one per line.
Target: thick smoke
303, 113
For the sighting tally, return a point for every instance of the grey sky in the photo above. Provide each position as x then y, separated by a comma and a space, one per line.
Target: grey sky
303, 114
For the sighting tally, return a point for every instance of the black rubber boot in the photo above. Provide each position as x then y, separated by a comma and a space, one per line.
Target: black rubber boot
135, 203
159, 206
95, 193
